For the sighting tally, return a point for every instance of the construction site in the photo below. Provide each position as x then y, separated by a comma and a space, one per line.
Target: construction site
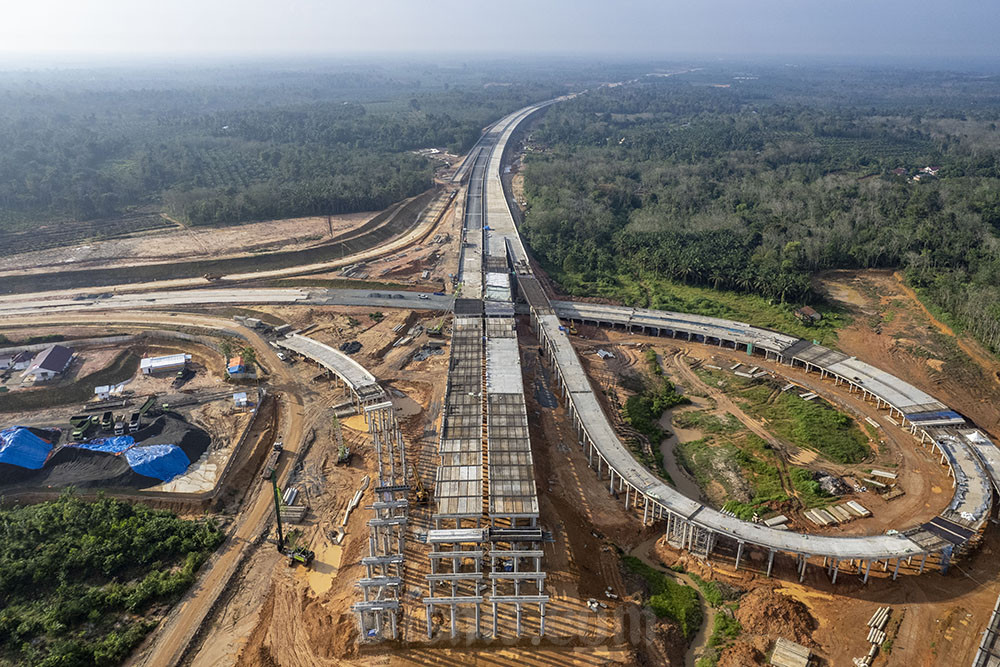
437, 469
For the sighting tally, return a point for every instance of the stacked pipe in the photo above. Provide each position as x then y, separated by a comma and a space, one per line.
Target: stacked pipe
876, 636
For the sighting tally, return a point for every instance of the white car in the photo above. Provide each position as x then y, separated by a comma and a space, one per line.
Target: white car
424, 296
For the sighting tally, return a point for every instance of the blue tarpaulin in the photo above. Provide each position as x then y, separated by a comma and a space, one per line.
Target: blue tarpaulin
21, 447
114, 445
162, 462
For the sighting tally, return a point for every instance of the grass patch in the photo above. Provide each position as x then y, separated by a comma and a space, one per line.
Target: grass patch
706, 422
664, 294
808, 489
725, 628
667, 598
643, 411
702, 458
82, 583
814, 425
716, 593
81, 390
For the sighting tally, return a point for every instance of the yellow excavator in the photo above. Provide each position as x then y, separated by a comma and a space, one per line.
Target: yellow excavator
419, 491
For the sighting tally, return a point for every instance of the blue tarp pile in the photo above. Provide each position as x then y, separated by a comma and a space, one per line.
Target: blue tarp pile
21, 447
162, 462
113, 445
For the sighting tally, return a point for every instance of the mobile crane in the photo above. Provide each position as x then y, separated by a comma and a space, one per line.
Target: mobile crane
295, 553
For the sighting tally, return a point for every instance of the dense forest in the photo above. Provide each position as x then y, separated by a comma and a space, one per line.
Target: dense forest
79, 580
755, 181
235, 144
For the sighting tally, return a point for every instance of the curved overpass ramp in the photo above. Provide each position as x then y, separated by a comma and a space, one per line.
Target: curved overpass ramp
974, 461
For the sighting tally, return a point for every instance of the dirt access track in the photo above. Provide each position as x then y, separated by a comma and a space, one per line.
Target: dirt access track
187, 244
390, 230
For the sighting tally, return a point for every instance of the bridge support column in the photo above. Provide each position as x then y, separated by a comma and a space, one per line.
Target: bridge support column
770, 561
836, 568
923, 561
868, 567
739, 554
645, 510
895, 571
802, 569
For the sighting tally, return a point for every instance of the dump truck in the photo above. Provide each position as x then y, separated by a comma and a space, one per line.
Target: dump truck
80, 426
107, 420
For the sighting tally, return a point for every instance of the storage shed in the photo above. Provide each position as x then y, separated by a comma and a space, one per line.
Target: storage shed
170, 363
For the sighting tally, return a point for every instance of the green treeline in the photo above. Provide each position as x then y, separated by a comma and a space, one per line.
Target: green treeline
213, 148
79, 579
757, 186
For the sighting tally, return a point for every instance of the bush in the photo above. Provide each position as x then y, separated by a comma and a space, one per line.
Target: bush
668, 599
809, 490
726, 627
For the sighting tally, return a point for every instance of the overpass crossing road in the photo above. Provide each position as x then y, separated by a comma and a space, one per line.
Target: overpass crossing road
494, 259
701, 529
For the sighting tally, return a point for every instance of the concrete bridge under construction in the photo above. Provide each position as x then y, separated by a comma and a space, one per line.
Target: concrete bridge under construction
495, 270
486, 509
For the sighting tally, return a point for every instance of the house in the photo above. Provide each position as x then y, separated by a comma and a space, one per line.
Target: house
899, 171
807, 314
170, 363
52, 361
235, 365
240, 399
931, 171
16, 361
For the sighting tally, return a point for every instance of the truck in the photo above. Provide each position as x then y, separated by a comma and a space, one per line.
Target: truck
120, 425
80, 426
107, 420
134, 422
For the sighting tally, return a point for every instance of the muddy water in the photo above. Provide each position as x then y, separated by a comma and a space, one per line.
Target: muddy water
683, 481
324, 566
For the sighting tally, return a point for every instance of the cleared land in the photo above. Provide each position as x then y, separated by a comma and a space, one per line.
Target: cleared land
176, 241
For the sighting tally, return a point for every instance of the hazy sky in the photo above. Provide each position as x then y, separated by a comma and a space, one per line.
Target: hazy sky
924, 29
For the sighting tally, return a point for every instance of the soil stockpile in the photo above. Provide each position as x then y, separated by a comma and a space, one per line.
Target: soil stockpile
765, 612
82, 468
741, 654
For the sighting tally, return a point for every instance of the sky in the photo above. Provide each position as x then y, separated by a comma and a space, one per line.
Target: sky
919, 30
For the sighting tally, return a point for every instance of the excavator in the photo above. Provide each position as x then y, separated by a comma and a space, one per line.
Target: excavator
295, 553
419, 491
